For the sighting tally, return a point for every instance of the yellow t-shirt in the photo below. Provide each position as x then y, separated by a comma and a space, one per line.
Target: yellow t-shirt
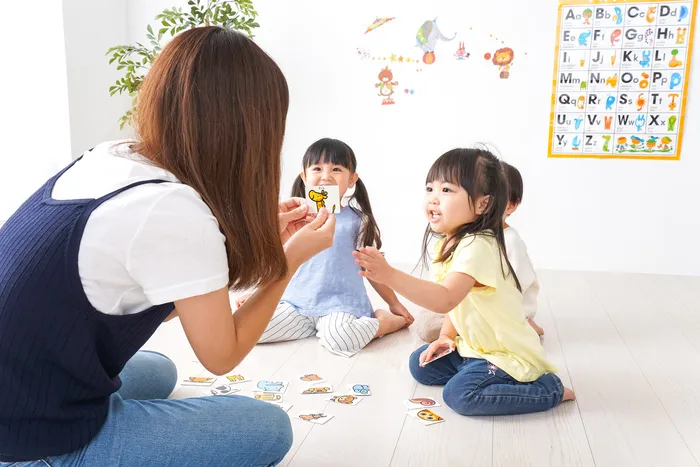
490, 321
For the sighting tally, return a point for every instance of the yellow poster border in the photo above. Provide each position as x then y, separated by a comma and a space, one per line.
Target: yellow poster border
688, 63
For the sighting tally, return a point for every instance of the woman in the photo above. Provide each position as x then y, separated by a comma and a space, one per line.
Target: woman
131, 235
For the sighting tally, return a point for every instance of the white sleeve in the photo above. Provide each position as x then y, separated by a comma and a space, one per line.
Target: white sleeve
178, 251
519, 259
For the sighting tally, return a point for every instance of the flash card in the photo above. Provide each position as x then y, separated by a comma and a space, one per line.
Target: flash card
421, 403
235, 379
267, 396
318, 197
223, 390
319, 390
273, 386
438, 355
360, 390
346, 400
198, 381
318, 418
284, 407
426, 417
311, 379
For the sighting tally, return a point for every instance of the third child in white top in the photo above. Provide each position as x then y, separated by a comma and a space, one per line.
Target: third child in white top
517, 251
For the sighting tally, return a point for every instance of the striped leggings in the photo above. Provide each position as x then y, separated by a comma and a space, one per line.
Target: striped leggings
341, 333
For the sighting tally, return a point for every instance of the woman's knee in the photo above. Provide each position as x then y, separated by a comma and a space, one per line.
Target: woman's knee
270, 432
148, 375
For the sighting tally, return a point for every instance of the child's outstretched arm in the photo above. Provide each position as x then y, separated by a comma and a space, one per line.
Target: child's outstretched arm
440, 298
395, 306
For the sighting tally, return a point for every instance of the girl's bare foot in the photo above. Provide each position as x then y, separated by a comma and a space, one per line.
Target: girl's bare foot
389, 322
536, 327
568, 395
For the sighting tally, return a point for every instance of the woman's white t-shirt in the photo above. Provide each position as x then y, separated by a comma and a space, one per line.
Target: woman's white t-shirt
149, 245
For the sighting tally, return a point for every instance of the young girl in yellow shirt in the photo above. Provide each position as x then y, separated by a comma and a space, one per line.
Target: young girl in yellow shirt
499, 367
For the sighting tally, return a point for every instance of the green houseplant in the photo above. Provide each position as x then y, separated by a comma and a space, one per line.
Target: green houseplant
136, 59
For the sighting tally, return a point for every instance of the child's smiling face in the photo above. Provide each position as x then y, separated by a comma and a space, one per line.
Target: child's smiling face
327, 174
447, 207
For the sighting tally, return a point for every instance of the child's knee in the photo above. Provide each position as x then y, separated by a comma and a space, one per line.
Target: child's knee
419, 373
461, 401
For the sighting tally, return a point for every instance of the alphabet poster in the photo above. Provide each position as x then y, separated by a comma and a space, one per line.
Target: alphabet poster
621, 78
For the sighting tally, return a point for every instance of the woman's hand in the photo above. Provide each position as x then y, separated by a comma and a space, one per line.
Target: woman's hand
313, 238
442, 345
293, 215
242, 299
376, 267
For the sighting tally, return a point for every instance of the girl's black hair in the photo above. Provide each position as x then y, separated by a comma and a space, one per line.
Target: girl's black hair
515, 183
336, 152
480, 173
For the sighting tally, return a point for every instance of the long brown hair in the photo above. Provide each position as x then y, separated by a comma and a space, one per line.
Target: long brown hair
480, 173
336, 152
212, 111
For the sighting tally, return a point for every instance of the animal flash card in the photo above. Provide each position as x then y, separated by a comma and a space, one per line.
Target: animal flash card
438, 355
346, 400
235, 379
318, 197
318, 390
311, 378
198, 381
426, 417
223, 390
278, 387
267, 396
421, 403
318, 418
359, 390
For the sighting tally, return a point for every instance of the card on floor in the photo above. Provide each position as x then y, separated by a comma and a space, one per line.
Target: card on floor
346, 400
426, 417
421, 403
318, 197
198, 381
360, 390
323, 389
235, 379
284, 407
267, 396
318, 418
438, 355
311, 378
223, 390
273, 386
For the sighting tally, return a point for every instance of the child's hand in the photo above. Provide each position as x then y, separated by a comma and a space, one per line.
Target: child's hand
242, 299
400, 310
442, 344
376, 267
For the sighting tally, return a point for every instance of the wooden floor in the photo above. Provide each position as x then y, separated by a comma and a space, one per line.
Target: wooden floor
629, 345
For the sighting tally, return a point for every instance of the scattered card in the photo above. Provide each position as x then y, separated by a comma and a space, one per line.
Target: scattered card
346, 400
267, 396
421, 403
318, 197
318, 418
360, 390
426, 417
235, 379
284, 407
311, 378
319, 390
198, 381
223, 390
438, 355
273, 386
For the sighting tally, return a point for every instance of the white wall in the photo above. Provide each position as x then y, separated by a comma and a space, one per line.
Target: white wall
577, 214
91, 28
34, 127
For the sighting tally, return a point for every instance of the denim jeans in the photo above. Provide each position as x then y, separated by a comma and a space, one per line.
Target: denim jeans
144, 428
476, 387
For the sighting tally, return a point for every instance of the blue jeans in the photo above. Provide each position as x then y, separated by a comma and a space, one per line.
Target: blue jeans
476, 387
144, 428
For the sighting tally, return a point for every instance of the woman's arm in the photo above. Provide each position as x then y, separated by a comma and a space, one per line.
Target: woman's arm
221, 339
440, 298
